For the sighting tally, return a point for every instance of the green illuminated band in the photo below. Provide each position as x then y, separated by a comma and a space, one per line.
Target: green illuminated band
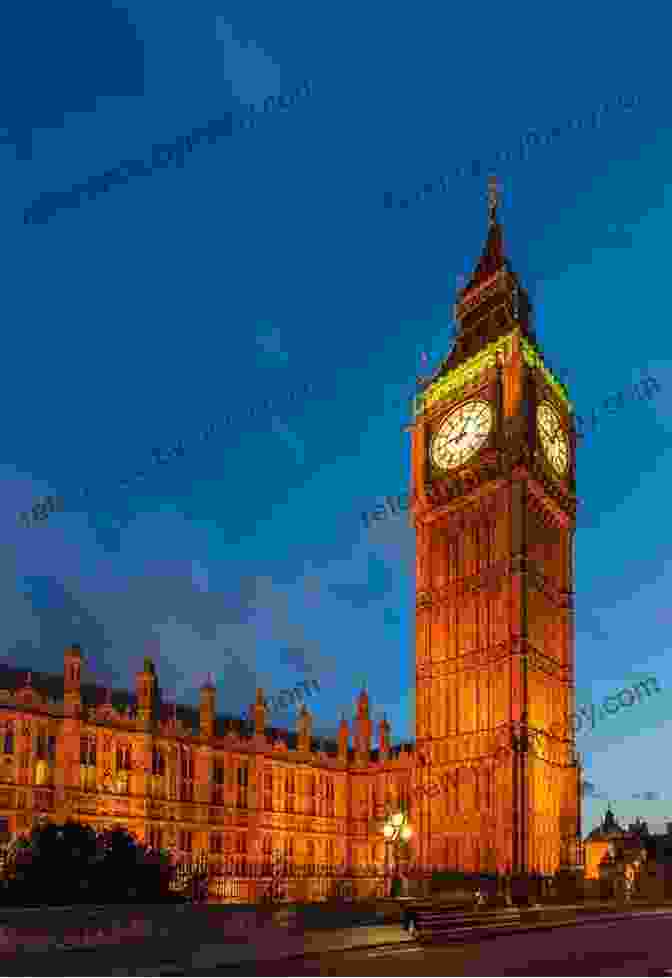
533, 358
448, 388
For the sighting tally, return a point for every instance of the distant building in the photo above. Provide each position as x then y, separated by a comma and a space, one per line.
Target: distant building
618, 860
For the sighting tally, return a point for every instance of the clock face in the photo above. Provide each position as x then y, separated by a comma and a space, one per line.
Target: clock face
553, 438
461, 434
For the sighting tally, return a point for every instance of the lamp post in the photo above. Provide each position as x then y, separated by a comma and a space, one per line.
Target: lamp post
396, 828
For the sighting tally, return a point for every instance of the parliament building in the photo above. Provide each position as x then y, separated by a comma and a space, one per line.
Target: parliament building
492, 781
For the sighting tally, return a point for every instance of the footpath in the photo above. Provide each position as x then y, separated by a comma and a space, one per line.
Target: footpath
277, 940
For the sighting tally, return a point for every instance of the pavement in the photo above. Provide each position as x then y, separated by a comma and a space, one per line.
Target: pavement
383, 937
273, 943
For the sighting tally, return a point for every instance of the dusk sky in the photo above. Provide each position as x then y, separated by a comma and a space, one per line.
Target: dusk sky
269, 262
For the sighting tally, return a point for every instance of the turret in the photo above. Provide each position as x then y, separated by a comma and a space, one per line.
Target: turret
343, 738
72, 667
363, 728
207, 708
147, 692
259, 712
384, 738
305, 729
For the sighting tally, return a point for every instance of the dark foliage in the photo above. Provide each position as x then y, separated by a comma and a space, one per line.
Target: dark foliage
71, 863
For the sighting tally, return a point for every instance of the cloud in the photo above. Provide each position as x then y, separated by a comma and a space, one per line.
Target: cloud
149, 595
250, 72
285, 434
588, 621
297, 658
649, 796
57, 58
270, 343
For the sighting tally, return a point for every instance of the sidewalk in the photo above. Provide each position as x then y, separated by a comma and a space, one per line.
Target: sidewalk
171, 955
213, 956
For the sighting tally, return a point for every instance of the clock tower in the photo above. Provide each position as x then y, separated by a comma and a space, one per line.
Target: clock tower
493, 495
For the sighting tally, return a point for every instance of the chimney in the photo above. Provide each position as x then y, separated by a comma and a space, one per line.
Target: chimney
207, 708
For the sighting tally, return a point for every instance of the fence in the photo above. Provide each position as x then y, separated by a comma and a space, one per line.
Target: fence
240, 881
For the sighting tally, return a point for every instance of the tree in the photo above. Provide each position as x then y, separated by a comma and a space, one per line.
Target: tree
71, 863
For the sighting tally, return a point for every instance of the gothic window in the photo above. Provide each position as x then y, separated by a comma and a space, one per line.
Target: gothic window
51, 748
41, 773
123, 758
268, 792
158, 762
216, 842
185, 841
187, 769
241, 844
41, 745
241, 796
312, 787
290, 789
155, 837
267, 853
87, 751
9, 738
218, 783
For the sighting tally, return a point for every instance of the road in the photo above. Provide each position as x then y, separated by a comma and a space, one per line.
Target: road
640, 946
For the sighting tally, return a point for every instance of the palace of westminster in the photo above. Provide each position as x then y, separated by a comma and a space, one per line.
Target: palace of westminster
493, 506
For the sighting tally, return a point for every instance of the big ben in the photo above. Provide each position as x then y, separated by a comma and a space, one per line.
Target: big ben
493, 489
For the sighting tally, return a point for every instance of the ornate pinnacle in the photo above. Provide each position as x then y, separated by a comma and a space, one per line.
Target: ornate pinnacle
493, 200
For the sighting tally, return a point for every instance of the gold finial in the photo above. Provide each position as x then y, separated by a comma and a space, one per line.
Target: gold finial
493, 200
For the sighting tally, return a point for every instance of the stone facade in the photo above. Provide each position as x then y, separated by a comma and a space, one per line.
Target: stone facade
192, 781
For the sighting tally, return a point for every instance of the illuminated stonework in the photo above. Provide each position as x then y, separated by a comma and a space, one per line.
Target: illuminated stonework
495, 640
196, 782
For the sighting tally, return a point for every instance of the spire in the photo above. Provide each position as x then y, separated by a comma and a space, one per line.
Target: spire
492, 258
493, 200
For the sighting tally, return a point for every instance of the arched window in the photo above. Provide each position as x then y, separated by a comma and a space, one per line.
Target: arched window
9, 738
41, 773
158, 762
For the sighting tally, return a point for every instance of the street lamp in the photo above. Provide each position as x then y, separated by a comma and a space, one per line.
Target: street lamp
396, 828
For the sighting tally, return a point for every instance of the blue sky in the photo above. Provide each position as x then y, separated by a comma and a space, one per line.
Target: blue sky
268, 262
